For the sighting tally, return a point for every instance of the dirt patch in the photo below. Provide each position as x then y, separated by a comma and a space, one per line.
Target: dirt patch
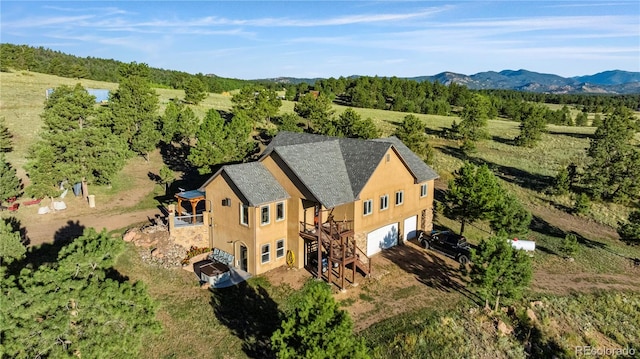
565, 283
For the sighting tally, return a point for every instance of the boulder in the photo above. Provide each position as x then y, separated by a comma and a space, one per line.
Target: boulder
131, 236
531, 315
504, 329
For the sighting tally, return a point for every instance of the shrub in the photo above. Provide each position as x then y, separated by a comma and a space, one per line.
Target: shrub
569, 245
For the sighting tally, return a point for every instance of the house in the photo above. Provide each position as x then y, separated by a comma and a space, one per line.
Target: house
311, 199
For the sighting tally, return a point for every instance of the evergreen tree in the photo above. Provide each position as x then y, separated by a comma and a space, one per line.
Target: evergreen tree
6, 138
258, 103
474, 118
562, 182
167, 176
411, 132
211, 147
510, 217
134, 109
499, 270
74, 306
613, 172
532, 126
237, 134
194, 91
350, 124
315, 109
569, 245
317, 328
289, 122
11, 245
74, 147
581, 119
582, 204
473, 194
629, 231
10, 185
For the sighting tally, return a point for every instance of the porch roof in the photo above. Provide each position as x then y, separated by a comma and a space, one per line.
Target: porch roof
189, 195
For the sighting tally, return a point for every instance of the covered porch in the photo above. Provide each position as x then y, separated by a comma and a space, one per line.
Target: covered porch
195, 216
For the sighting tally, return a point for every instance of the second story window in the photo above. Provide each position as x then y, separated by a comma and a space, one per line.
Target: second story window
367, 207
244, 214
279, 211
399, 198
423, 190
264, 215
384, 202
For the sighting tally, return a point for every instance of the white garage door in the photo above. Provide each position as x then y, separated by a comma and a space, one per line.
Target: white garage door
382, 238
410, 226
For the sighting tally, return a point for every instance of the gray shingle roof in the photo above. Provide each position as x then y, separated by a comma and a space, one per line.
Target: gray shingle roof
334, 169
255, 183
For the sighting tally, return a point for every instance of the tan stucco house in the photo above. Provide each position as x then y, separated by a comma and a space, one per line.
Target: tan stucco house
355, 197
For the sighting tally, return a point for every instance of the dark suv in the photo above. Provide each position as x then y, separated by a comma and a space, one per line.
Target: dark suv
448, 243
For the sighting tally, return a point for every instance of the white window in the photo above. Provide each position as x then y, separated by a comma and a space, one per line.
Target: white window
368, 207
265, 215
384, 202
423, 190
244, 214
399, 198
279, 211
266, 253
279, 248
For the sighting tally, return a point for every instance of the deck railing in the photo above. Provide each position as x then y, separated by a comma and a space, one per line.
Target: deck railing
340, 227
189, 220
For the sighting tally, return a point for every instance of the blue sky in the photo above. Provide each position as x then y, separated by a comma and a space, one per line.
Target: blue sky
249, 40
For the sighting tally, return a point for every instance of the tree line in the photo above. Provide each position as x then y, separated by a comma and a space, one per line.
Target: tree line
46, 61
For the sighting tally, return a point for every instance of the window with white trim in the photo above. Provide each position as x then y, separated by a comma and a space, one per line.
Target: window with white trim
265, 215
266, 253
367, 207
279, 211
399, 198
423, 190
279, 248
244, 214
384, 202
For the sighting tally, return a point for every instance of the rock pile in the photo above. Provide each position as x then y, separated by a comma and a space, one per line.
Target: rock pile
154, 246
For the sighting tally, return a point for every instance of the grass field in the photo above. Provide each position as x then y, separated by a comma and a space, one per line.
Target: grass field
194, 326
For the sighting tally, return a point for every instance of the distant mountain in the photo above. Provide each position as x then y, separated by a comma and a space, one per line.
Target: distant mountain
607, 82
612, 82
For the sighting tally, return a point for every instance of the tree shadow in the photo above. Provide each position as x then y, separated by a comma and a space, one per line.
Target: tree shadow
176, 156
47, 253
570, 134
506, 141
536, 344
251, 314
431, 270
69, 232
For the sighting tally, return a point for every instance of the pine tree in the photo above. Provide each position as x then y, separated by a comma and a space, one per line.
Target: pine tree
473, 194
412, 133
499, 270
562, 182
11, 245
258, 103
613, 172
629, 231
211, 146
474, 118
532, 126
194, 91
10, 185
317, 328
6, 138
289, 122
314, 109
134, 109
74, 147
510, 217
74, 306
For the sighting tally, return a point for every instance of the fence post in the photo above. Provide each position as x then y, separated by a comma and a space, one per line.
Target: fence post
172, 217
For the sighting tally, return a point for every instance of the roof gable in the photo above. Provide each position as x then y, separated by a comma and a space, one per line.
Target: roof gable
256, 184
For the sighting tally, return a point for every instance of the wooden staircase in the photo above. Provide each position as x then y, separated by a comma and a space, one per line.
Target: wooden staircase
339, 246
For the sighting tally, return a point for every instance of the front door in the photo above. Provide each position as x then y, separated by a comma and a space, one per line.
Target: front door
243, 257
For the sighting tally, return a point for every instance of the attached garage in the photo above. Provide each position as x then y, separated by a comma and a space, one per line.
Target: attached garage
382, 238
410, 226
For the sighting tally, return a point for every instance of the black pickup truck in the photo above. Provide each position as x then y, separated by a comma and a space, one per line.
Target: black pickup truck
448, 243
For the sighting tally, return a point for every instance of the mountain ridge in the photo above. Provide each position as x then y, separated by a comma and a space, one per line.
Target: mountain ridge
605, 82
